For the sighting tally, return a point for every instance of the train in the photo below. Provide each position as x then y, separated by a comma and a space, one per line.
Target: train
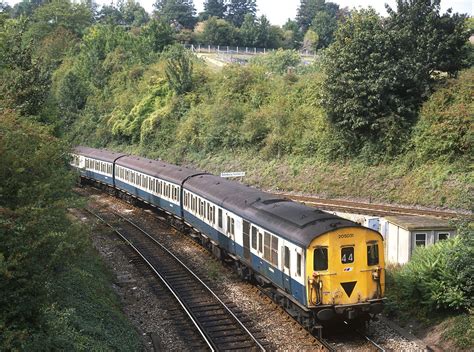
318, 266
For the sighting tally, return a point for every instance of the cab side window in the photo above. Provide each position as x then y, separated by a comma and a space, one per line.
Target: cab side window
320, 256
372, 254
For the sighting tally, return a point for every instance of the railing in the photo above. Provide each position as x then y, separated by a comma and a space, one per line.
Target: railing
235, 50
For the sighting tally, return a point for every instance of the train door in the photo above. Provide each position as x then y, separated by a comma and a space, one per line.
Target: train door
246, 239
286, 263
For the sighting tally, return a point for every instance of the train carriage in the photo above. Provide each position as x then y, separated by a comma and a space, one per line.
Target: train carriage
95, 164
318, 266
155, 182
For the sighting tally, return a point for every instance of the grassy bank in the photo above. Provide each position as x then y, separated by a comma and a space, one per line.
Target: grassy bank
431, 184
433, 293
84, 313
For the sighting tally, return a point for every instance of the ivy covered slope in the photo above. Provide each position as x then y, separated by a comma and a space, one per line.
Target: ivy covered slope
273, 126
55, 294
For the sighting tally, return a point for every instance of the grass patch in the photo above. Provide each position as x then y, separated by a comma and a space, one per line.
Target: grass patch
460, 330
85, 313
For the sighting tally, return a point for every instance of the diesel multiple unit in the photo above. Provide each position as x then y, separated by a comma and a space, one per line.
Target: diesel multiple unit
318, 266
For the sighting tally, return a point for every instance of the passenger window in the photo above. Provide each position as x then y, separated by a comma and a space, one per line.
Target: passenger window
254, 238
320, 259
228, 224
260, 242
275, 251
219, 220
298, 264
266, 247
287, 257
232, 228
347, 255
372, 254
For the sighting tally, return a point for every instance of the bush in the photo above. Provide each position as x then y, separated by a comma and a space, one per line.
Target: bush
444, 130
438, 278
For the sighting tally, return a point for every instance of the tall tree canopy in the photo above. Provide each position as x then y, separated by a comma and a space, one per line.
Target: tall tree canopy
379, 72
180, 11
237, 9
214, 8
319, 16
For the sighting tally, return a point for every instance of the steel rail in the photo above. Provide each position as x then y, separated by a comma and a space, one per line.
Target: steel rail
180, 302
149, 236
197, 278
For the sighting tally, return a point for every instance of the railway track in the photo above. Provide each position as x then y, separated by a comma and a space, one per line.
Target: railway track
214, 322
369, 208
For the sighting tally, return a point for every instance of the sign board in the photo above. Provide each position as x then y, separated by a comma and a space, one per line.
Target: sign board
232, 174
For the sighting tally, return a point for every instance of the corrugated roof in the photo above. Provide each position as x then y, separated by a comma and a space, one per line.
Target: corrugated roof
411, 222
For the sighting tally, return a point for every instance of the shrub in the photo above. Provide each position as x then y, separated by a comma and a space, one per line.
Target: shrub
438, 277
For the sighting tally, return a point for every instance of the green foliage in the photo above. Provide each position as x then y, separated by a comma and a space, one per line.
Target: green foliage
379, 73
278, 61
238, 9
157, 35
438, 277
218, 32
180, 11
214, 8
444, 130
460, 329
179, 69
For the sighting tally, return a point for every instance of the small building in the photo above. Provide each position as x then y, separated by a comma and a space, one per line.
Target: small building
404, 233
372, 222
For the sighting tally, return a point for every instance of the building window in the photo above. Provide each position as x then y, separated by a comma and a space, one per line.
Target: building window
372, 254
443, 236
420, 239
347, 255
320, 259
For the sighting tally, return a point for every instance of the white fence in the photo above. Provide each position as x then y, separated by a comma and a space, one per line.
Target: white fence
235, 50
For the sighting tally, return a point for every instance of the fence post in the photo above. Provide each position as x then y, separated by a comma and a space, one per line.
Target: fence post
264, 50
237, 50
199, 48
218, 49
227, 49
255, 51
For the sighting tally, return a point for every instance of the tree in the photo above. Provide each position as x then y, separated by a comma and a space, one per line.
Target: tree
237, 9
128, 13
307, 11
380, 72
434, 42
218, 32
179, 69
133, 13
180, 12
321, 17
292, 37
214, 8
158, 34
249, 31
324, 25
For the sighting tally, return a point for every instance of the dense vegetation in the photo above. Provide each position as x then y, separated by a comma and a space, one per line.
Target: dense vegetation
55, 294
383, 112
438, 282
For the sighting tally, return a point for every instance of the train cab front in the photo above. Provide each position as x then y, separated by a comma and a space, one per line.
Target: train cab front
345, 274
